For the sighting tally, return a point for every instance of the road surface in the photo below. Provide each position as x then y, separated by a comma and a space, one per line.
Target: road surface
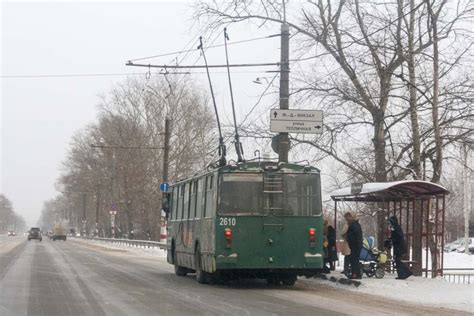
79, 278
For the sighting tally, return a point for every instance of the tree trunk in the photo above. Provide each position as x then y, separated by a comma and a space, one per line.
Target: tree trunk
412, 92
438, 161
380, 171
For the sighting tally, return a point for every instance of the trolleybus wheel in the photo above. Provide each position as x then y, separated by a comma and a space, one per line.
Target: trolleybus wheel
179, 271
273, 280
289, 280
201, 276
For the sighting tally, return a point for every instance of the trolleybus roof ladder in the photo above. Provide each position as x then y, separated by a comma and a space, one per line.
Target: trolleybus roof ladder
273, 191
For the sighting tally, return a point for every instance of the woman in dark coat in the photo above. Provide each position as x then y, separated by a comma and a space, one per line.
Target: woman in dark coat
399, 248
332, 252
354, 238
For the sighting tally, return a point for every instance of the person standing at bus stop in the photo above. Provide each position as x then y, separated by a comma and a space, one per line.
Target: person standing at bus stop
354, 239
331, 238
399, 248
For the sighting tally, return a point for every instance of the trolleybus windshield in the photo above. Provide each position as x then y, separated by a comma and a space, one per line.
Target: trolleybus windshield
241, 194
302, 195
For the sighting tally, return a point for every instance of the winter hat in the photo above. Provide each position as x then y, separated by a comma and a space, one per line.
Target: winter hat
393, 220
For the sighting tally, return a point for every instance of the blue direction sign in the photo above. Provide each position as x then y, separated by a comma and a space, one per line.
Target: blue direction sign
164, 187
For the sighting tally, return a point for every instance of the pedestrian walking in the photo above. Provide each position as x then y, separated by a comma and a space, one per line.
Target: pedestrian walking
354, 239
399, 248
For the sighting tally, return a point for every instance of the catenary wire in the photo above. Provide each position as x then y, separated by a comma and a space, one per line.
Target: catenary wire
212, 46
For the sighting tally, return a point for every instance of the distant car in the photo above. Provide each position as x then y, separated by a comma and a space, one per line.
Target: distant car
454, 245
462, 247
35, 233
11, 233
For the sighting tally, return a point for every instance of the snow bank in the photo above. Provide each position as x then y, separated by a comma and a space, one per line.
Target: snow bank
139, 250
453, 260
420, 290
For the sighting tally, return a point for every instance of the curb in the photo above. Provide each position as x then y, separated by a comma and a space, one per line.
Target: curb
343, 281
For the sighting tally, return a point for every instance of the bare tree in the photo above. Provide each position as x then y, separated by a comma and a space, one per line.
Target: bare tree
124, 168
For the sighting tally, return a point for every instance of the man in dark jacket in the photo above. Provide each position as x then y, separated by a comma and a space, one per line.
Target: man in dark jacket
399, 248
354, 239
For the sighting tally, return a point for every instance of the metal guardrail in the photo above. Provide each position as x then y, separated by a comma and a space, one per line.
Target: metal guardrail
128, 242
459, 275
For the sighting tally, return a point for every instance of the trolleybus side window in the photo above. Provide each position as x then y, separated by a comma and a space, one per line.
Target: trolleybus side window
174, 202
181, 201
209, 196
240, 194
302, 194
199, 198
186, 201
192, 202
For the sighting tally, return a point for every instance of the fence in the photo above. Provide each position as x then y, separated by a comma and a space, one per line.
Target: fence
128, 242
459, 275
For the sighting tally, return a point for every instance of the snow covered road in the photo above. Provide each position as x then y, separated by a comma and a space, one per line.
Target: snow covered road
83, 278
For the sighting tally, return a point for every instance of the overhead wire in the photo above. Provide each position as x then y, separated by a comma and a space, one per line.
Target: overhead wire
212, 46
259, 99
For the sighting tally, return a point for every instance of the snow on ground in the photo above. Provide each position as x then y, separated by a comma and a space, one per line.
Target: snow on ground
418, 290
453, 260
139, 250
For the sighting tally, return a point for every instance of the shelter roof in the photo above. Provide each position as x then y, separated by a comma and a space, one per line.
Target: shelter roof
380, 191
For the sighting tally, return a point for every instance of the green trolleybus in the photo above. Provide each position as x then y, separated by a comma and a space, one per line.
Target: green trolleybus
254, 219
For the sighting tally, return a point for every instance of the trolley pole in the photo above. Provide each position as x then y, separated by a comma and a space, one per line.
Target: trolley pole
283, 140
166, 152
164, 195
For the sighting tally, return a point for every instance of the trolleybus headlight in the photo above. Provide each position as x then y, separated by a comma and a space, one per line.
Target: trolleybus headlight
312, 237
228, 237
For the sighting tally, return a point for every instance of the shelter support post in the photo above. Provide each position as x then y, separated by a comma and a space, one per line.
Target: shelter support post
417, 236
442, 234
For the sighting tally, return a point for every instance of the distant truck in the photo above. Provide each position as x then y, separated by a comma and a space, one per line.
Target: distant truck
59, 232
35, 233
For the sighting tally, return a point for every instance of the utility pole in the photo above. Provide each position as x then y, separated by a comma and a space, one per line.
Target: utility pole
283, 140
166, 151
114, 200
465, 184
97, 206
164, 195
83, 213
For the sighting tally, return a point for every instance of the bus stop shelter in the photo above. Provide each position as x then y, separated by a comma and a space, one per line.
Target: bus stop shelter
420, 209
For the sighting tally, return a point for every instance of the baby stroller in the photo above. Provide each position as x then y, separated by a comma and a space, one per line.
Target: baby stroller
371, 259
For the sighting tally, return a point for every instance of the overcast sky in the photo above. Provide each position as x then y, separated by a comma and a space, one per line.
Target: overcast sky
40, 115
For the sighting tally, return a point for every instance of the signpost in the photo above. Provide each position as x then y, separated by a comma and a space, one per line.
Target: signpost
296, 121
164, 187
